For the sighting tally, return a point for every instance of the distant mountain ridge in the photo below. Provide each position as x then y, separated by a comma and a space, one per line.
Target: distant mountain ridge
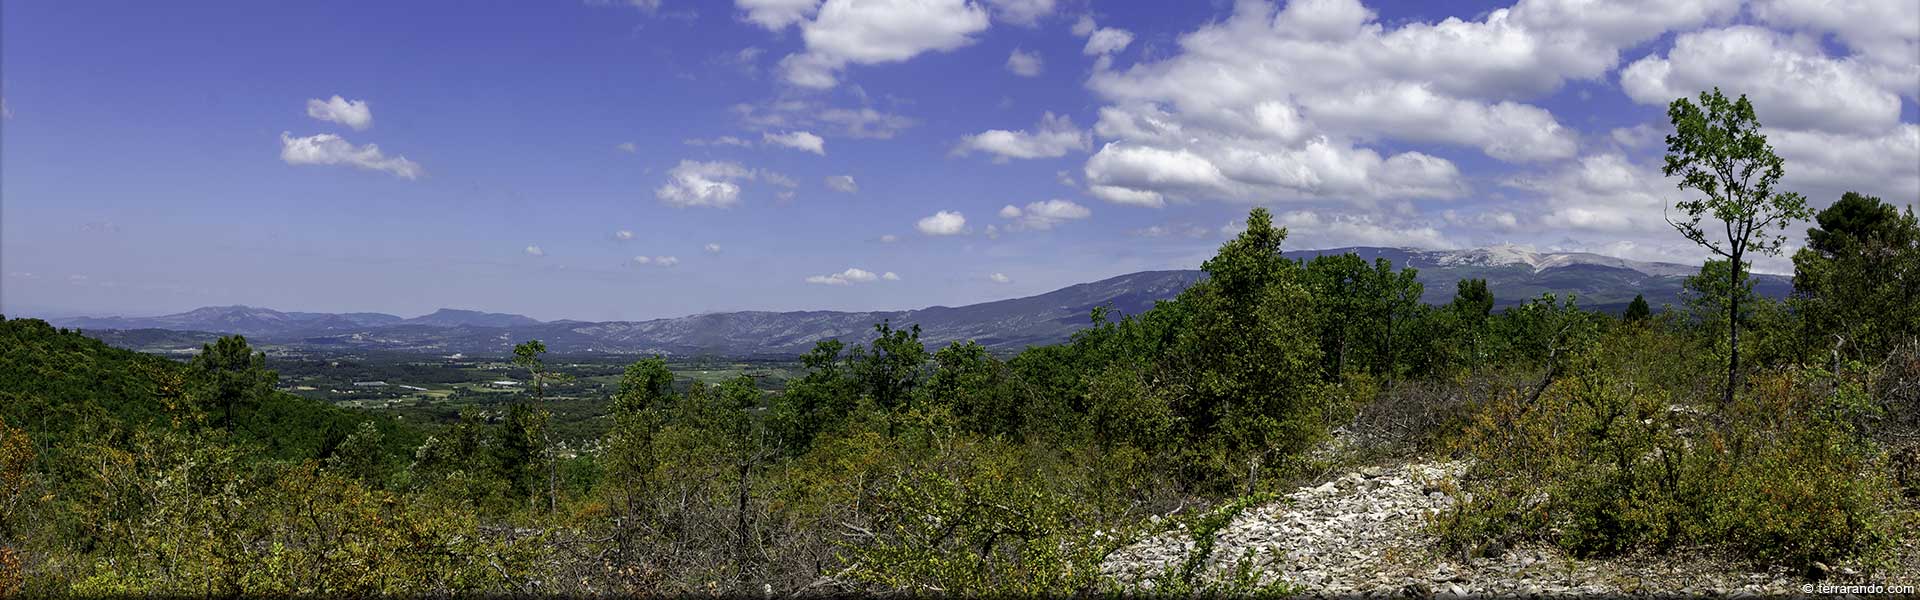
1514, 274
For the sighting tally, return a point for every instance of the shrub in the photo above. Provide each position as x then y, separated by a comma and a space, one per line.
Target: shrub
1606, 461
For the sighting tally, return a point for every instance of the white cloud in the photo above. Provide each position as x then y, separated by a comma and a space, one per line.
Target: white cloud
1275, 104
776, 15
534, 251
1107, 40
695, 183
1824, 165
6, 112
1507, 131
1187, 230
889, 238
850, 276
1044, 215
1000, 278
1644, 135
627, 147
330, 149
1025, 13
656, 261
942, 223
1311, 229
712, 248
352, 113
1025, 64
863, 122
1084, 25
623, 235
890, 276
1882, 33
1791, 81
725, 140
842, 183
778, 179
1604, 193
867, 32
1053, 137
799, 140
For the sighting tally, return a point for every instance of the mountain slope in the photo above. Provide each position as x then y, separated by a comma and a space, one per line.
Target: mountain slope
1514, 274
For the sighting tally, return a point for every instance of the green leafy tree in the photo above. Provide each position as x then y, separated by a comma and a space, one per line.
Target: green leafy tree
1472, 306
527, 355
360, 456
890, 370
974, 386
1637, 310
817, 401
235, 378
1709, 300
1243, 368
1718, 151
1856, 281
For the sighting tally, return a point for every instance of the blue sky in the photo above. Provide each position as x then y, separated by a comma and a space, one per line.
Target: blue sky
159, 157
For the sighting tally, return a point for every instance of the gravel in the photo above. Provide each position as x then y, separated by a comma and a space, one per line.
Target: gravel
1365, 533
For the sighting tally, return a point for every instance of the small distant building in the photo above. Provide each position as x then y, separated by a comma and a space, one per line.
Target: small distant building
504, 383
370, 384
414, 388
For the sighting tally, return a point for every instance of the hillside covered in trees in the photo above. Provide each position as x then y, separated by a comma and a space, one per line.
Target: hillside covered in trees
1778, 433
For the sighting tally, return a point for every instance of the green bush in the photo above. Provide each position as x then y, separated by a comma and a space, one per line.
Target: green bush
1606, 461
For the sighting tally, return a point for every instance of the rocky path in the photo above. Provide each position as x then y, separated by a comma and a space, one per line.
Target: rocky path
1364, 533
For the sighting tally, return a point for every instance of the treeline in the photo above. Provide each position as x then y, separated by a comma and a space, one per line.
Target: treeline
889, 466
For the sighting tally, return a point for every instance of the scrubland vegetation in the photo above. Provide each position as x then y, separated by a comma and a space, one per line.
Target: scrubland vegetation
890, 466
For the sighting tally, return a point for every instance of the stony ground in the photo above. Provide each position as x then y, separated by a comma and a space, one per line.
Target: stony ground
1363, 533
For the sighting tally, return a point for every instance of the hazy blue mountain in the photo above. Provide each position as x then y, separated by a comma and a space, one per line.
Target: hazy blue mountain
1515, 275
453, 317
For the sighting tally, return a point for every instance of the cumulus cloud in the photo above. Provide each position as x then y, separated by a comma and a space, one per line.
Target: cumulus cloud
1644, 135
839, 33
1107, 40
1314, 229
656, 261
352, 113
889, 238
776, 15
778, 179
1025, 13
707, 184
1025, 64
850, 276
1792, 83
1604, 193
623, 235
725, 140
713, 248
1507, 131
1053, 137
1281, 104
627, 147
890, 276
942, 223
1044, 215
862, 122
1825, 165
999, 278
1186, 230
799, 140
842, 183
330, 149
1881, 34
534, 251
